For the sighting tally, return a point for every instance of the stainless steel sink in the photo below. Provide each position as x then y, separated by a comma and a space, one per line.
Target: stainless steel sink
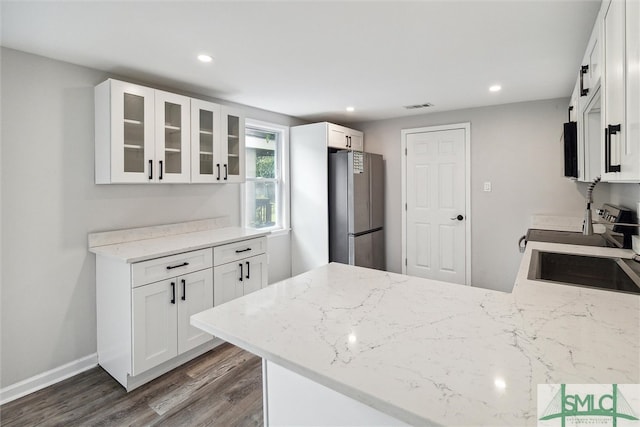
568, 238
613, 274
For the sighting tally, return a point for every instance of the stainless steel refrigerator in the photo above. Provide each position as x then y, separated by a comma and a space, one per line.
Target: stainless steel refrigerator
356, 209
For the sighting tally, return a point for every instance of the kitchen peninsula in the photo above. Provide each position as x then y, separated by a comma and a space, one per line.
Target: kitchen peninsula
384, 348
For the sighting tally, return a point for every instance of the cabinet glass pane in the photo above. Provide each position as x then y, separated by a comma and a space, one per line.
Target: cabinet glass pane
233, 144
206, 142
173, 137
133, 129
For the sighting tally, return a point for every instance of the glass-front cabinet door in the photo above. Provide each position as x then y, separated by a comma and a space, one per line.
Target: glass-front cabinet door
173, 158
205, 142
132, 134
232, 146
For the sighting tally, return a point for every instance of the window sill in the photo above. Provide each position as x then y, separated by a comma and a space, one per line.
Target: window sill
279, 232
273, 232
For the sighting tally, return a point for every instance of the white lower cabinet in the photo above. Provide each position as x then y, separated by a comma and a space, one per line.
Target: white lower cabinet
161, 312
143, 309
239, 269
143, 312
239, 278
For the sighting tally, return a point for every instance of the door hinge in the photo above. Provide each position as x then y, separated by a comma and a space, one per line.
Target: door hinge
406, 263
405, 206
405, 151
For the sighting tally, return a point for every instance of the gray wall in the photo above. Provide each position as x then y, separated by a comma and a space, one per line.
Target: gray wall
50, 203
518, 148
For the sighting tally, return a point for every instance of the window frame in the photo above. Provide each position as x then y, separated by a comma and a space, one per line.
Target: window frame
282, 181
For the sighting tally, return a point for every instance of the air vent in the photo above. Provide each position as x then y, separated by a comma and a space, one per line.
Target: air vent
413, 107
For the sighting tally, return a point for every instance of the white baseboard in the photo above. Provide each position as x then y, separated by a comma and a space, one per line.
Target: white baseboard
45, 379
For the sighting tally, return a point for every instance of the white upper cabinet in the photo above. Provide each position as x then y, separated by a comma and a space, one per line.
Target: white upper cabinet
341, 137
232, 145
148, 135
173, 137
620, 92
124, 132
205, 141
632, 156
141, 135
614, 86
590, 69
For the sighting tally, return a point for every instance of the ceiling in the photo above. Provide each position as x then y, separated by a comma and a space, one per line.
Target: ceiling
312, 59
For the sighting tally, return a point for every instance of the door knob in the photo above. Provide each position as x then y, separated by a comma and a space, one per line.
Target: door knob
459, 218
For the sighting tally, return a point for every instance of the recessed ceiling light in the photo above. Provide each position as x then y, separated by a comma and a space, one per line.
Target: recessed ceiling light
495, 88
350, 109
205, 58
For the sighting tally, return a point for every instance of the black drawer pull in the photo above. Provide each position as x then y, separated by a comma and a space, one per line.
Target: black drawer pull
241, 273
173, 293
239, 251
226, 171
184, 290
248, 273
160, 177
171, 267
150, 169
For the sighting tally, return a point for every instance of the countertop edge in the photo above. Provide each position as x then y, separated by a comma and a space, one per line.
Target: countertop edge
114, 251
364, 398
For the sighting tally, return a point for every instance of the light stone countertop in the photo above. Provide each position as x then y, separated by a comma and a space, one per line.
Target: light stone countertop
429, 352
149, 248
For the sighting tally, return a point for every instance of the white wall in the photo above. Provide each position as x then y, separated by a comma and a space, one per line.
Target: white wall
50, 203
518, 148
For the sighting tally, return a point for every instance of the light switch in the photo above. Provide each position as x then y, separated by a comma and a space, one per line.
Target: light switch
487, 186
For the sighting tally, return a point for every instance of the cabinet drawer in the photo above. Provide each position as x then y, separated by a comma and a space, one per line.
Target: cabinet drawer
157, 269
239, 250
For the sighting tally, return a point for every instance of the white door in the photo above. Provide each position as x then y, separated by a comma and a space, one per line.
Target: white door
228, 285
196, 295
337, 137
255, 273
173, 137
132, 133
154, 324
205, 142
232, 145
436, 232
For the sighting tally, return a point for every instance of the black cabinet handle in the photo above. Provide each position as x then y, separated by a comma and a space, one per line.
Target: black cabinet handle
583, 70
239, 251
184, 290
226, 170
248, 271
150, 169
608, 166
171, 267
160, 176
173, 293
241, 273
218, 166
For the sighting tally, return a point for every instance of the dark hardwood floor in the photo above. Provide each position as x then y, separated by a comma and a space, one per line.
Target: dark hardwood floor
220, 388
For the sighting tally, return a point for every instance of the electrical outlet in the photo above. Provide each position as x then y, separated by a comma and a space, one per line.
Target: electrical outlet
487, 186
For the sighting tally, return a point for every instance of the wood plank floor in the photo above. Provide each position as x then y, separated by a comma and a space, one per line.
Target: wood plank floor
220, 388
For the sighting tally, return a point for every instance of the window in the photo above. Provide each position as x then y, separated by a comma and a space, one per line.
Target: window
265, 190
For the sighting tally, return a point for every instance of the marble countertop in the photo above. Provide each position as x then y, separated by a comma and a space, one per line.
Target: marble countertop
429, 352
155, 247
